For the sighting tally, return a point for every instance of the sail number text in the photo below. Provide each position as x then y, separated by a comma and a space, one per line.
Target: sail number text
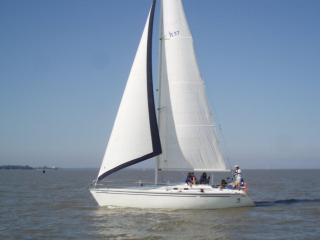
174, 34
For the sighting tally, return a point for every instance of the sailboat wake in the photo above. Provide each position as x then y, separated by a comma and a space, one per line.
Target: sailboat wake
285, 202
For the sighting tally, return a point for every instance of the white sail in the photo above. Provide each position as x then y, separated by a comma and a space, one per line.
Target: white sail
135, 136
188, 138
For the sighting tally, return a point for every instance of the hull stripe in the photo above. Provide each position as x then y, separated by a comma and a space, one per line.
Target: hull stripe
169, 194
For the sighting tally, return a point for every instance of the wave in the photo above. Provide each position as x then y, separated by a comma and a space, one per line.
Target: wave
285, 202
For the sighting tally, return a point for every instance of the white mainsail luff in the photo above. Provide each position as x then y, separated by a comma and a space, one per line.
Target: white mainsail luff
135, 135
188, 138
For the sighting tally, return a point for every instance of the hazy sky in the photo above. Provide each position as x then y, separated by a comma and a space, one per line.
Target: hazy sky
64, 64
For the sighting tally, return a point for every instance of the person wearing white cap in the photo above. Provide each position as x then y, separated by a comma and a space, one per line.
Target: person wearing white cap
237, 176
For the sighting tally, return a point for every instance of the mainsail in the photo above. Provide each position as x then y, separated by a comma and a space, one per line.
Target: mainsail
135, 136
187, 133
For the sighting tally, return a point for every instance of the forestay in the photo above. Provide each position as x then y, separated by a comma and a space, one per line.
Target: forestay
187, 133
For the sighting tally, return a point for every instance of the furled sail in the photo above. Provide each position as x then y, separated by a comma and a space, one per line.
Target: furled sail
188, 137
135, 136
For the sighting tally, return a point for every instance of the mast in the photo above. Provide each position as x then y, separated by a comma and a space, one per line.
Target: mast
157, 160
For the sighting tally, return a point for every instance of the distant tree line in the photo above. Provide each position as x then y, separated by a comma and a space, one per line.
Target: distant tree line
26, 167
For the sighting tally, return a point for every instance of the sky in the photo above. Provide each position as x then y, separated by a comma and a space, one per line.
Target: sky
64, 65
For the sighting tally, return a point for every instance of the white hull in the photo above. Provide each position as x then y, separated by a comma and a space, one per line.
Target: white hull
172, 197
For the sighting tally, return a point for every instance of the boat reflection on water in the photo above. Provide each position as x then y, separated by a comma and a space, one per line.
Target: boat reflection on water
126, 223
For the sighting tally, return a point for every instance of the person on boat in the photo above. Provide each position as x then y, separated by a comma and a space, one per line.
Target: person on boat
230, 183
204, 179
188, 179
237, 176
229, 180
242, 182
223, 184
191, 179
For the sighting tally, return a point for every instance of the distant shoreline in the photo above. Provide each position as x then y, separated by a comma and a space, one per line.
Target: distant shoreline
24, 167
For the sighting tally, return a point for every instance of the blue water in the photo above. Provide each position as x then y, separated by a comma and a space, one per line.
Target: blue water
57, 205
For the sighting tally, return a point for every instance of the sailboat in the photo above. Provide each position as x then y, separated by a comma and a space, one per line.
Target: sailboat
180, 132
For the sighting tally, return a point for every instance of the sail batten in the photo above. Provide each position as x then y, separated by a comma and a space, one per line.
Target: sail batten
135, 135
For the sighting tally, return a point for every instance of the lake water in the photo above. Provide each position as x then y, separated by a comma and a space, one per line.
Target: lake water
57, 205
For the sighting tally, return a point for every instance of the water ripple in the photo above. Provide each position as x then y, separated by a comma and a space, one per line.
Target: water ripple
285, 202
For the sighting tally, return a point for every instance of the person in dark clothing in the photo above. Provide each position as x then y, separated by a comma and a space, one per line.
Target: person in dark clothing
223, 184
188, 179
204, 179
191, 179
